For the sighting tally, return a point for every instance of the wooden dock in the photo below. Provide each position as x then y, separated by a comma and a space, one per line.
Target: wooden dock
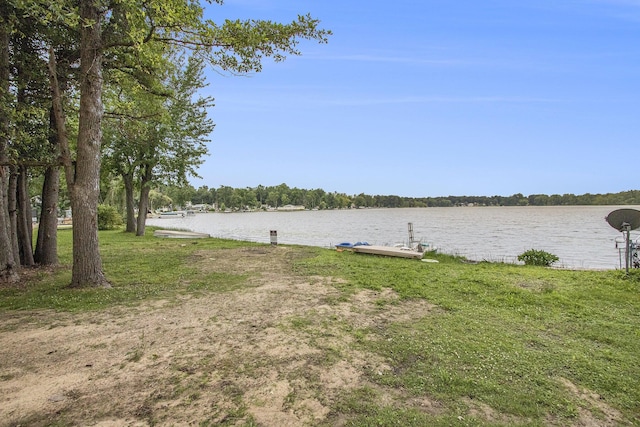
388, 251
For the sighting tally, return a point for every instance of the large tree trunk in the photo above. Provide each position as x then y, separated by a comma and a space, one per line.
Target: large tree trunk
25, 225
8, 262
143, 208
47, 243
8, 267
12, 203
143, 204
130, 202
87, 264
22, 218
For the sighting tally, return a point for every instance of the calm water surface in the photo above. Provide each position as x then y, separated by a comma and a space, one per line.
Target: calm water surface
579, 235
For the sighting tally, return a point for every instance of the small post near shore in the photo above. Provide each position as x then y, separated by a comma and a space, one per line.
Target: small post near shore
274, 237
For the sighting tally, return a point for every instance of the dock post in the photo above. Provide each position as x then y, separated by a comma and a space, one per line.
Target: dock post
411, 239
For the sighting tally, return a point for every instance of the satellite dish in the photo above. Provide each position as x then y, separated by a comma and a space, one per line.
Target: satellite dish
624, 219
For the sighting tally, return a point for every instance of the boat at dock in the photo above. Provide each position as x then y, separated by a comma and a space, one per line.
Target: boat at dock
414, 250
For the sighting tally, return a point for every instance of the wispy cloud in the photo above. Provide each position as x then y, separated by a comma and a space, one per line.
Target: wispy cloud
313, 102
624, 10
439, 99
632, 3
497, 59
389, 59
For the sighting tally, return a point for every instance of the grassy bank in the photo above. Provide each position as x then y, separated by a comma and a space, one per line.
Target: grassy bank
501, 344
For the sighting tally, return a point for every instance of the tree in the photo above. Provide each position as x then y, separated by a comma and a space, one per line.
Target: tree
84, 179
25, 110
362, 200
202, 196
249, 198
342, 201
273, 198
8, 264
131, 137
158, 199
83, 174
30, 134
49, 37
314, 198
181, 140
46, 252
121, 28
223, 196
180, 195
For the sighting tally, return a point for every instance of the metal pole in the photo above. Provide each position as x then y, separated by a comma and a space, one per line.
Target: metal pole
627, 250
410, 234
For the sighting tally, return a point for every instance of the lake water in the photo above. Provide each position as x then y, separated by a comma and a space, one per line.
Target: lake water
578, 235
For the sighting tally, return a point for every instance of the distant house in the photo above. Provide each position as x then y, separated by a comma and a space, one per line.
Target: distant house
289, 208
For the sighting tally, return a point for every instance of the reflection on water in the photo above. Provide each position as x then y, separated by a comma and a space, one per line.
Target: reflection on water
579, 235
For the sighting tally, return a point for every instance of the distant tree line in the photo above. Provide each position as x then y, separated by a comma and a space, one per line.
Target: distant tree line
229, 198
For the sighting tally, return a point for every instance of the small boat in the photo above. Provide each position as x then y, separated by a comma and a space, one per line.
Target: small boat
171, 214
395, 251
344, 246
178, 234
349, 246
366, 248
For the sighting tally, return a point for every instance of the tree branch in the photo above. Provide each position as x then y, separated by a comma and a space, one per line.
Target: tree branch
61, 128
113, 114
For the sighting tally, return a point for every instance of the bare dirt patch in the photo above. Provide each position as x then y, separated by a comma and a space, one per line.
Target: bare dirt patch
593, 411
276, 352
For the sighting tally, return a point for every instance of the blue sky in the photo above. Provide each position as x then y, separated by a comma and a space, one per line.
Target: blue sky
435, 98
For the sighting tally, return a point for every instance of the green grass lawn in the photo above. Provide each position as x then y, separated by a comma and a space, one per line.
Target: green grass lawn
508, 336
538, 346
